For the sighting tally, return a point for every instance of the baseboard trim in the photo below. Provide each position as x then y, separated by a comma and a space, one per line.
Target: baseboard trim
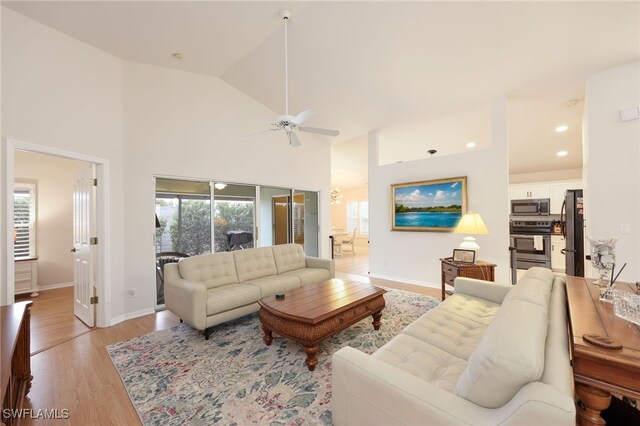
405, 280
131, 315
54, 286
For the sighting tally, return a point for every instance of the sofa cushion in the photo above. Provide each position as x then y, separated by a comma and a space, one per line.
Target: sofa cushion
534, 287
448, 331
422, 360
469, 307
227, 297
310, 275
212, 270
509, 355
254, 263
269, 286
289, 257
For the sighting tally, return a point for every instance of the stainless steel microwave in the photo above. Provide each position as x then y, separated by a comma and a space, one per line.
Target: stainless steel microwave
530, 207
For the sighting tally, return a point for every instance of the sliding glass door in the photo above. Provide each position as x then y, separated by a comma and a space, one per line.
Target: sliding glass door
198, 217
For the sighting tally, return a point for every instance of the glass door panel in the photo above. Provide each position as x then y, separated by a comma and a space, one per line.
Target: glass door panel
305, 220
183, 224
234, 217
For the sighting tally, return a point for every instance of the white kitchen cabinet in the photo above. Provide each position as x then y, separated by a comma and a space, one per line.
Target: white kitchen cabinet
26, 276
558, 263
525, 191
558, 190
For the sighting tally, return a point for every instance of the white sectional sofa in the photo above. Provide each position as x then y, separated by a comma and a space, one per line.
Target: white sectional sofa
489, 354
213, 288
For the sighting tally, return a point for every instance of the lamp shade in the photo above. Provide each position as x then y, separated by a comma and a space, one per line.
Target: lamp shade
471, 224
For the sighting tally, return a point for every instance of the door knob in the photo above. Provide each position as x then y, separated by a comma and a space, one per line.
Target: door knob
73, 250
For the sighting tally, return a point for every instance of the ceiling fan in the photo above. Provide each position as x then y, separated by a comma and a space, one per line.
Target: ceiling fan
289, 123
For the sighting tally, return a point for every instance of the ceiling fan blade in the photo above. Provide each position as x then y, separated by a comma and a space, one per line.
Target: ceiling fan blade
326, 132
293, 139
305, 115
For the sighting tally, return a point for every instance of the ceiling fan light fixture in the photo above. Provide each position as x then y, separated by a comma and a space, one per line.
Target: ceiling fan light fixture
291, 124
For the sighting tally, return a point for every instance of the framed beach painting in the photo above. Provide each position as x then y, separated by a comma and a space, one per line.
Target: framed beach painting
433, 205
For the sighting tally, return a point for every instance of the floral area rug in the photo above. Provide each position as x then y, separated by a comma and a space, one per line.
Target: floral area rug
176, 377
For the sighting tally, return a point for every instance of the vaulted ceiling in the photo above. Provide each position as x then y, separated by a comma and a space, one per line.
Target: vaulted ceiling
421, 73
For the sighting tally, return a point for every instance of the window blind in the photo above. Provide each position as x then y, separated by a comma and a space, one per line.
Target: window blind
24, 220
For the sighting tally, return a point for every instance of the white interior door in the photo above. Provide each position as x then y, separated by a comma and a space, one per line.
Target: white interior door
83, 249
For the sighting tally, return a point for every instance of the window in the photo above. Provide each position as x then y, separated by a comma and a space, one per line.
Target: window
24, 220
358, 215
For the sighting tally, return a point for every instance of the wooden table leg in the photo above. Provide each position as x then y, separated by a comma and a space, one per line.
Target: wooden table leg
376, 320
268, 338
595, 400
311, 351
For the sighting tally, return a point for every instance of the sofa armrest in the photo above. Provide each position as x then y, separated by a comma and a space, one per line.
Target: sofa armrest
316, 262
186, 299
372, 392
487, 290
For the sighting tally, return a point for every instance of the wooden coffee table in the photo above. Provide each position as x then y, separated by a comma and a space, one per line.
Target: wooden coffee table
317, 311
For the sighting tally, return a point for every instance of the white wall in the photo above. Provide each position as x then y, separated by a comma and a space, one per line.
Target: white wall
185, 124
63, 94
612, 155
413, 256
54, 227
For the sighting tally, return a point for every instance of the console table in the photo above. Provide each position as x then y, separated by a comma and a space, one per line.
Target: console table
15, 356
480, 270
598, 372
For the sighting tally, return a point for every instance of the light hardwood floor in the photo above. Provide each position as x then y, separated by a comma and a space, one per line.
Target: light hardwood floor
52, 319
78, 375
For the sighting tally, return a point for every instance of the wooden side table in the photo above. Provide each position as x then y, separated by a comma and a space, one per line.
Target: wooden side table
480, 270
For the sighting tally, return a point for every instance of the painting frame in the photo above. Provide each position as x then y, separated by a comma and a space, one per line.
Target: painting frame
423, 212
464, 256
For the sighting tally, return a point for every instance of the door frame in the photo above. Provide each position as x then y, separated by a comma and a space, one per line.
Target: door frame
103, 261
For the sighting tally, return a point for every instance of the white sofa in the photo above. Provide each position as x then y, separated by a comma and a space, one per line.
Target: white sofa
213, 288
489, 354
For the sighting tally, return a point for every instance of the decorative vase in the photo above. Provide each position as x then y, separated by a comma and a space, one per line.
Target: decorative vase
603, 257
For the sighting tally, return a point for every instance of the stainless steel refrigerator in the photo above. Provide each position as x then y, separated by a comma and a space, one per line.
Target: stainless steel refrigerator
572, 218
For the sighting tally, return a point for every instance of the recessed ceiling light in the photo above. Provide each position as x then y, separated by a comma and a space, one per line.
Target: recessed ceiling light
562, 153
220, 186
471, 144
177, 55
562, 128
572, 102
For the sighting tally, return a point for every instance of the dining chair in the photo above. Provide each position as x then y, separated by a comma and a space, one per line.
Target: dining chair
351, 240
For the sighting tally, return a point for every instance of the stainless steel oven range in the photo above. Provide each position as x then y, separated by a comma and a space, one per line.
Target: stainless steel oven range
532, 241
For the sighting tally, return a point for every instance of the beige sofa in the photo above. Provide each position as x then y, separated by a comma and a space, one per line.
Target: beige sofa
213, 288
489, 354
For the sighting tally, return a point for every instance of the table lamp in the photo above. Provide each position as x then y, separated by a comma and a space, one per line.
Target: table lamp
471, 224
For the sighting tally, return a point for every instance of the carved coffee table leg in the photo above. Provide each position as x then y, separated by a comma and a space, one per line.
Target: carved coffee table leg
267, 335
376, 320
595, 400
311, 352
